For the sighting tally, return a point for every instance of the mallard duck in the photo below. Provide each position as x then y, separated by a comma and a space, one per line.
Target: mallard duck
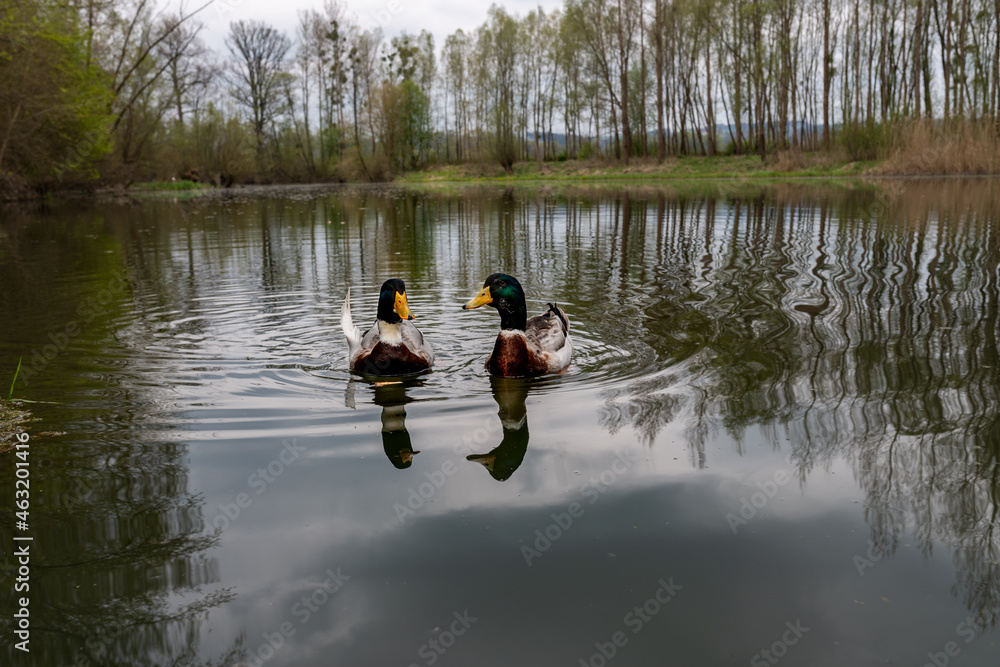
392, 346
524, 347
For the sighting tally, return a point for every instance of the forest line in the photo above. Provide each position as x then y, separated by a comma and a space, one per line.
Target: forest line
112, 91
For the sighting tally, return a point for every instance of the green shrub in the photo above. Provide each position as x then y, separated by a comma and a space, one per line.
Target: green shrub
864, 142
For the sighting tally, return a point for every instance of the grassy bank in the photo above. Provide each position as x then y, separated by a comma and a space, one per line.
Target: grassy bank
785, 165
912, 148
11, 419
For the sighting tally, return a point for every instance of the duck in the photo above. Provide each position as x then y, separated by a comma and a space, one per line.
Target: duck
524, 347
392, 346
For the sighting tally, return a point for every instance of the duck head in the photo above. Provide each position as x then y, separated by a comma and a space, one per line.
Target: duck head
392, 306
504, 293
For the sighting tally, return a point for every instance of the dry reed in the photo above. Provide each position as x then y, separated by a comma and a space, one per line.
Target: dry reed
925, 147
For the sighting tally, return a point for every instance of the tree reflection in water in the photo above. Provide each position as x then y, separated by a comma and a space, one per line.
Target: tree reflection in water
120, 524
856, 323
865, 328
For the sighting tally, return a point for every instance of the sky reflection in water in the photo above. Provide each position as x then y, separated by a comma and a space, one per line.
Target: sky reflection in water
782, 410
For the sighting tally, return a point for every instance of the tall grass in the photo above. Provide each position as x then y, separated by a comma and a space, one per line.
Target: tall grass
11, 394
927, 147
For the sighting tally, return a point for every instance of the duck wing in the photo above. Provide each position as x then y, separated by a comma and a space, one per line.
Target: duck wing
371, 338
548, 331
549, 334
415, 342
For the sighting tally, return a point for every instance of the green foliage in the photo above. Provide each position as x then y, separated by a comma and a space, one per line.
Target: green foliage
637, 109
212, 143
867, 141
499, 41
404, 123
54, 110
415, 113
129, 94
333, 139
727, 147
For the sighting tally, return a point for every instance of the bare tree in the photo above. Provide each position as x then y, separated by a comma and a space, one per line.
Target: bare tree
134, 33
190, 66
257, 73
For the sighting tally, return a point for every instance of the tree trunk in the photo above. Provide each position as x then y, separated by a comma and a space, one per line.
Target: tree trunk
916, 58
827, 74
661, 139
709, 108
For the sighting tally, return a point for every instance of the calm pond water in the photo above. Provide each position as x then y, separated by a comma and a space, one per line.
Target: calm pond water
779, 438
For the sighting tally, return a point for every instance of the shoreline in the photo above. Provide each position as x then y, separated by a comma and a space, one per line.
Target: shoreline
675, 171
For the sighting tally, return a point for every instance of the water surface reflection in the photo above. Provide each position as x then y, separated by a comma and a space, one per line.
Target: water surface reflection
844, 337
510, 395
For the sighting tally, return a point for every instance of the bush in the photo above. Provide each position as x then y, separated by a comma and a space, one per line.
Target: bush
864, 142
373, 168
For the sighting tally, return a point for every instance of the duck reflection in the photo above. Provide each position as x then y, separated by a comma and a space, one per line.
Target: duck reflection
510, 395
391, 396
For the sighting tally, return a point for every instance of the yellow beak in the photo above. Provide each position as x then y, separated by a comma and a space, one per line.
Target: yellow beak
484, 297
401, 307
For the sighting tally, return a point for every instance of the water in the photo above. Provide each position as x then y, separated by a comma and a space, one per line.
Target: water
779, 431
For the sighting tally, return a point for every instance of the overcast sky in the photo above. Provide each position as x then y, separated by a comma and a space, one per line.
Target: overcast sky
441, 17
